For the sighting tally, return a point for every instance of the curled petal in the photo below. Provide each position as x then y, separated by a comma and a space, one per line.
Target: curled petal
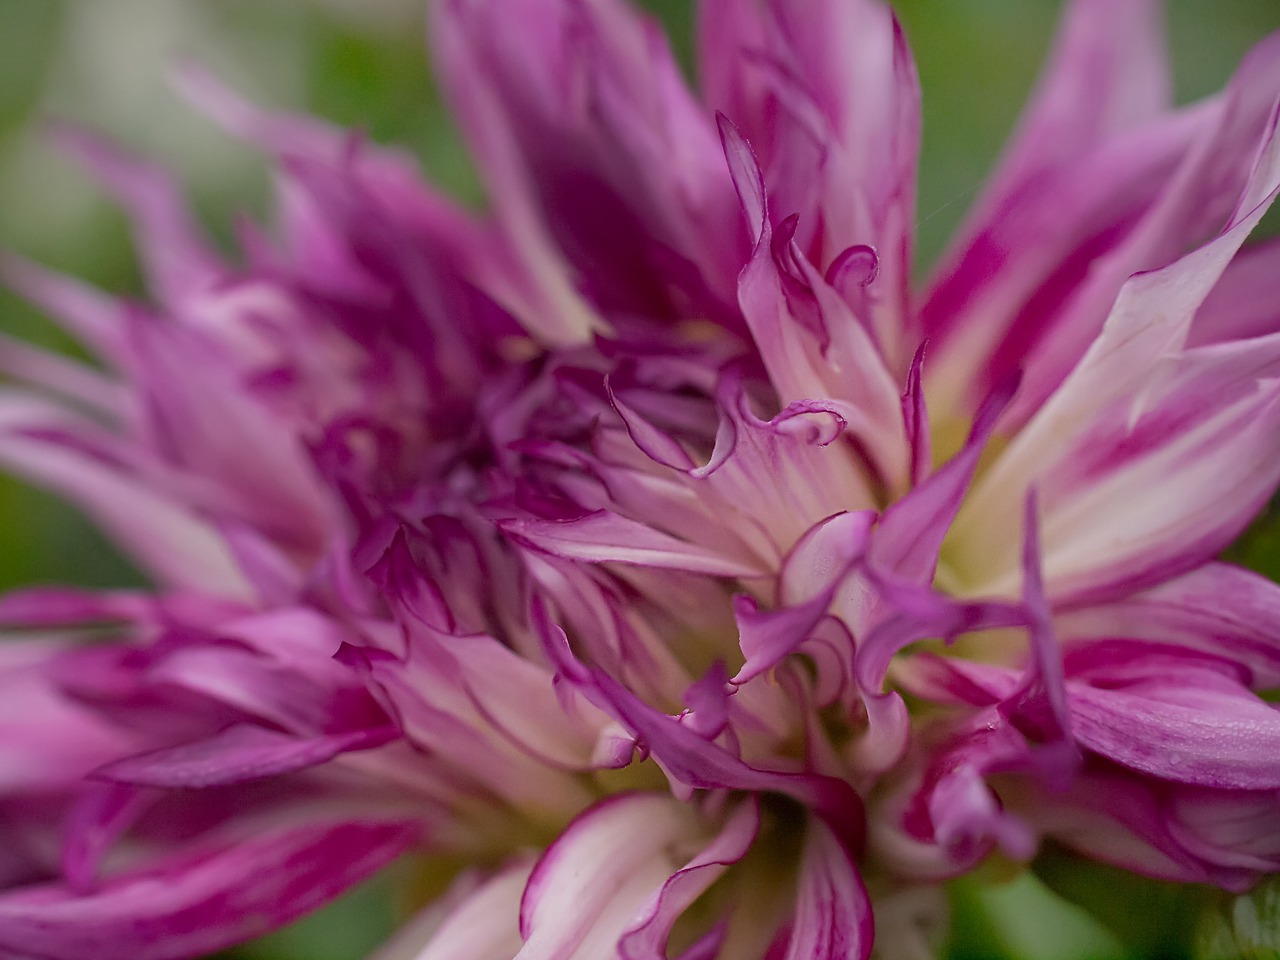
603, 874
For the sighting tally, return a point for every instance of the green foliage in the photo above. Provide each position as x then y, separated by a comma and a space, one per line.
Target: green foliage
1023, 919
28, 30
1154, 920
347, 929
1259, 548
1241, 928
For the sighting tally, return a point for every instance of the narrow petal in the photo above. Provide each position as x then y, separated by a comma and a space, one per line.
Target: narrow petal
829, 98
179, 260
911, 532
812, 573
829, 356
169, 539
602, 537
236, 755
201, 902
691, 759
541, 290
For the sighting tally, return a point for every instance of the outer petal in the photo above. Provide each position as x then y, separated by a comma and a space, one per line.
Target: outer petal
1175, 715
201, 902
1117, 818
1223, 610
177, 545
47, 741
1192, 725
1107, 76
1175, 514
1135, 202
178, 259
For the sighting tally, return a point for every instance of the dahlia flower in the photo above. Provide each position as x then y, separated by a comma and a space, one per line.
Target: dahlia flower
646, 560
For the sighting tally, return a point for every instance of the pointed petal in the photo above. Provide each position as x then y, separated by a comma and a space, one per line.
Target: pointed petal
1106, 76
602, 537
175, 544
238, 754
828, 96
812, 573
1105, 395
907, 541
691, 759
579, 118
179, 260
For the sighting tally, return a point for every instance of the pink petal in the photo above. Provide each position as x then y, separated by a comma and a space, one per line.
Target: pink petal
200, 902
833, 911
483, 925
1220, 609
1088, 545
238, 754
1193, 727
1243, 304
646, 938
535, 285
174, 543
603, 537
828, 96
86, 313
179, 261
601, 875
691, 759
812, 573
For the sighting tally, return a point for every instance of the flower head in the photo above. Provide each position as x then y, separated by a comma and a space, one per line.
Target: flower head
599, 542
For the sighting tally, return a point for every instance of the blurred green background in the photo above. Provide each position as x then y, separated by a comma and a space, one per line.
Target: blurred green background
362, 63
